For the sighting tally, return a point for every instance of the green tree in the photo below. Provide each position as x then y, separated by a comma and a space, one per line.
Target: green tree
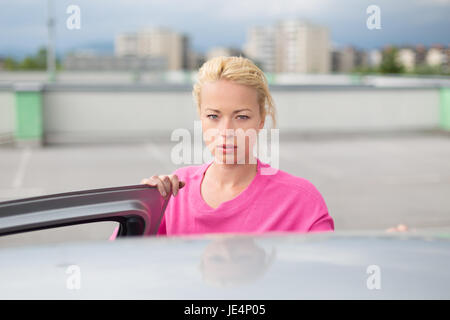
41, 58
10, 64
35, 62
389, 61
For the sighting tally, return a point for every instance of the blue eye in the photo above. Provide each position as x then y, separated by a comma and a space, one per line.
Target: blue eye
242, 117
210, 116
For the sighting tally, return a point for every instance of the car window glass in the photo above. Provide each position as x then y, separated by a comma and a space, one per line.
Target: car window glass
81, 232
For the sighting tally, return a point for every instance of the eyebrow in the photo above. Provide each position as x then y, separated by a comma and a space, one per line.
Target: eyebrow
236, 111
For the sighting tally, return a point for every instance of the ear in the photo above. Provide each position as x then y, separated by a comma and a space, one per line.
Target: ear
261, 124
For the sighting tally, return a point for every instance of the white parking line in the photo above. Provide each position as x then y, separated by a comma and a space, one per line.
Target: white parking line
20, 174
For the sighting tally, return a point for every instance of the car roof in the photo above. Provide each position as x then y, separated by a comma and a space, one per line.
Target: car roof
336, 265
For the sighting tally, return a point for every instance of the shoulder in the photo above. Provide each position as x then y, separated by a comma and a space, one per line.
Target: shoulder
299, 196
293, 187
285, 180
188, 172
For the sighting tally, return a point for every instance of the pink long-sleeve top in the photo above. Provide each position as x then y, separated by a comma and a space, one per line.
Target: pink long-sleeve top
275, 201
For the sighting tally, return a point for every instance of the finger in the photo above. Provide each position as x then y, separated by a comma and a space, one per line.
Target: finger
175, 184
159, 184
150, 181
166, 183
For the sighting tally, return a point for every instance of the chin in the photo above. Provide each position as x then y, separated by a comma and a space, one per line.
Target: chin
230, 159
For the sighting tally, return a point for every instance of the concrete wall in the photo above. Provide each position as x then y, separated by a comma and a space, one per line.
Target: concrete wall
7, 114
109, 113
129, 77
357, 109
115, 115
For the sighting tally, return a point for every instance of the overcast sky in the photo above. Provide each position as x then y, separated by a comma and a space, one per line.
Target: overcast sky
212, 23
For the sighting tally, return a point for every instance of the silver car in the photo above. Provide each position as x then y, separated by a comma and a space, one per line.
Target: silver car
141, 265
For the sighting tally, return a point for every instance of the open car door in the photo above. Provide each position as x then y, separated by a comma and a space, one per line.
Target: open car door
138, 209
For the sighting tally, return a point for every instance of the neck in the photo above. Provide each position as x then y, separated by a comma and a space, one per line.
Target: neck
232, 175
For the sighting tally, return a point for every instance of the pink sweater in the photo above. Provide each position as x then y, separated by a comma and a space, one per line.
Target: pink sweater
279, 202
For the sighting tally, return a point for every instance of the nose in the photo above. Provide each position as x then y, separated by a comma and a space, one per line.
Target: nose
227, 129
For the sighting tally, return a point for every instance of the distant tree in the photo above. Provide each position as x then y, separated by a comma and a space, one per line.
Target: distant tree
41, 58
389, 61
10, 64
365, 70
35, 62
28, 64
424, 69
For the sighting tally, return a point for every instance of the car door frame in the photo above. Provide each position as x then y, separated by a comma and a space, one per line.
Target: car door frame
138, 209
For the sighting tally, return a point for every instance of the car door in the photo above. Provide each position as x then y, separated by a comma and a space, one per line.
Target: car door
138, 209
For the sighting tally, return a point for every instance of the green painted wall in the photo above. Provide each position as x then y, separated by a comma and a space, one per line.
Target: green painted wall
28, 115
445, 108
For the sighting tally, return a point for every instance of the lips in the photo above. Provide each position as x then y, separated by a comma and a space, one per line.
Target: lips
227, 148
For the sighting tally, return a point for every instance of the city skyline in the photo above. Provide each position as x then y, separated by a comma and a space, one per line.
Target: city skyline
23, 23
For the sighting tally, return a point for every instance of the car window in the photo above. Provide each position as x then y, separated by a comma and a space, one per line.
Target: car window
82, 232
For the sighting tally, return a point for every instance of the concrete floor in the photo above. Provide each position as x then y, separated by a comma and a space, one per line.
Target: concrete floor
368, 182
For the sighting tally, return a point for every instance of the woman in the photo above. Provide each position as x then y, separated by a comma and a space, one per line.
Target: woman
232, 193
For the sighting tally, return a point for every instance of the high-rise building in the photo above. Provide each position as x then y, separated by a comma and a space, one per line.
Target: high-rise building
421, 53
126, 44
407, 57
156, 42
93, 62
261, 47
290, 46
436, 56
348, 59
223, 51
374, 58
195, 60
302, 47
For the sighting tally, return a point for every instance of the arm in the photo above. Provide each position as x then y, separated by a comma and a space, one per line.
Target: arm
321, 219
114, 234
323, 223
162, 231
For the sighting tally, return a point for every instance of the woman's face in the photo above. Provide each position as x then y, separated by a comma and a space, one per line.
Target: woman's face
231, 120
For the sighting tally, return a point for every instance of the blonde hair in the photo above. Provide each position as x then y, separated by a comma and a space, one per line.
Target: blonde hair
239, 70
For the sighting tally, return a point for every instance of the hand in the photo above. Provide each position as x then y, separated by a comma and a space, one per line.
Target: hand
398, 228
166, 184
